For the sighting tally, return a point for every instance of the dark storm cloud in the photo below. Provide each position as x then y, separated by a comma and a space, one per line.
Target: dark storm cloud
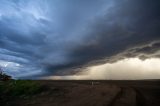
129, 24
149, 49
45, 36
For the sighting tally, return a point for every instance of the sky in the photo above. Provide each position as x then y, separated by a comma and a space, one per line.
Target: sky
80, 39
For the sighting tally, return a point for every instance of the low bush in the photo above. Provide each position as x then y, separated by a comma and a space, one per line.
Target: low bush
19, 87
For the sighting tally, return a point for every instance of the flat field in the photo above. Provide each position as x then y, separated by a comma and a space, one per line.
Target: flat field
80, 93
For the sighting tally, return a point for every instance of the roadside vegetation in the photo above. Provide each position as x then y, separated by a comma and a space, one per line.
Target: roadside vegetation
11, 87
19, 87
12, 90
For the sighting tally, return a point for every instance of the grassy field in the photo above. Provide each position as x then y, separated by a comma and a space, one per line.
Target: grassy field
19, 87
80, 93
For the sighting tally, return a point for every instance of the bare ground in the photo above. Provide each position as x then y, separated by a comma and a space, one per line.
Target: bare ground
100, 93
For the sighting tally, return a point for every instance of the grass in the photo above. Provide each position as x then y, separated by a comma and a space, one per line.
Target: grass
19, 87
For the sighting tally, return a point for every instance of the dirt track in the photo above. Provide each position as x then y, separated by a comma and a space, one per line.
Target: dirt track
100, 93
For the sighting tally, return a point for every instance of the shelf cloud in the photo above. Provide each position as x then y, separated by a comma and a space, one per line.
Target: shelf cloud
43, 38
129, 68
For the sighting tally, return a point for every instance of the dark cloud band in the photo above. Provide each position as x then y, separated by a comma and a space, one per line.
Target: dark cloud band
48, 36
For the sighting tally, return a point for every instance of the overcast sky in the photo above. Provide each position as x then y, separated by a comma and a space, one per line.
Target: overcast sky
47, 38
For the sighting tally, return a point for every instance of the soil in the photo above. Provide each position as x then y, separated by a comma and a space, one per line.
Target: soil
93, 93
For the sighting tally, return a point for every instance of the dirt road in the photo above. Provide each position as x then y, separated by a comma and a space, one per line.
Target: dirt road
81, 93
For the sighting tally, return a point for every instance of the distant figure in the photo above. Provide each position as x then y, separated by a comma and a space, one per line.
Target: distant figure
92, 83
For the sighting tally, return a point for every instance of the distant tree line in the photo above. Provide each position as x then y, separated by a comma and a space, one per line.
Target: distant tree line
4, 76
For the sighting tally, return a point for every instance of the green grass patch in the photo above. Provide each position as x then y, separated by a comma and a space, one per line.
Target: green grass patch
20, 87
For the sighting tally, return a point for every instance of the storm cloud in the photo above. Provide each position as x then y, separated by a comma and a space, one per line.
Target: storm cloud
45, 38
